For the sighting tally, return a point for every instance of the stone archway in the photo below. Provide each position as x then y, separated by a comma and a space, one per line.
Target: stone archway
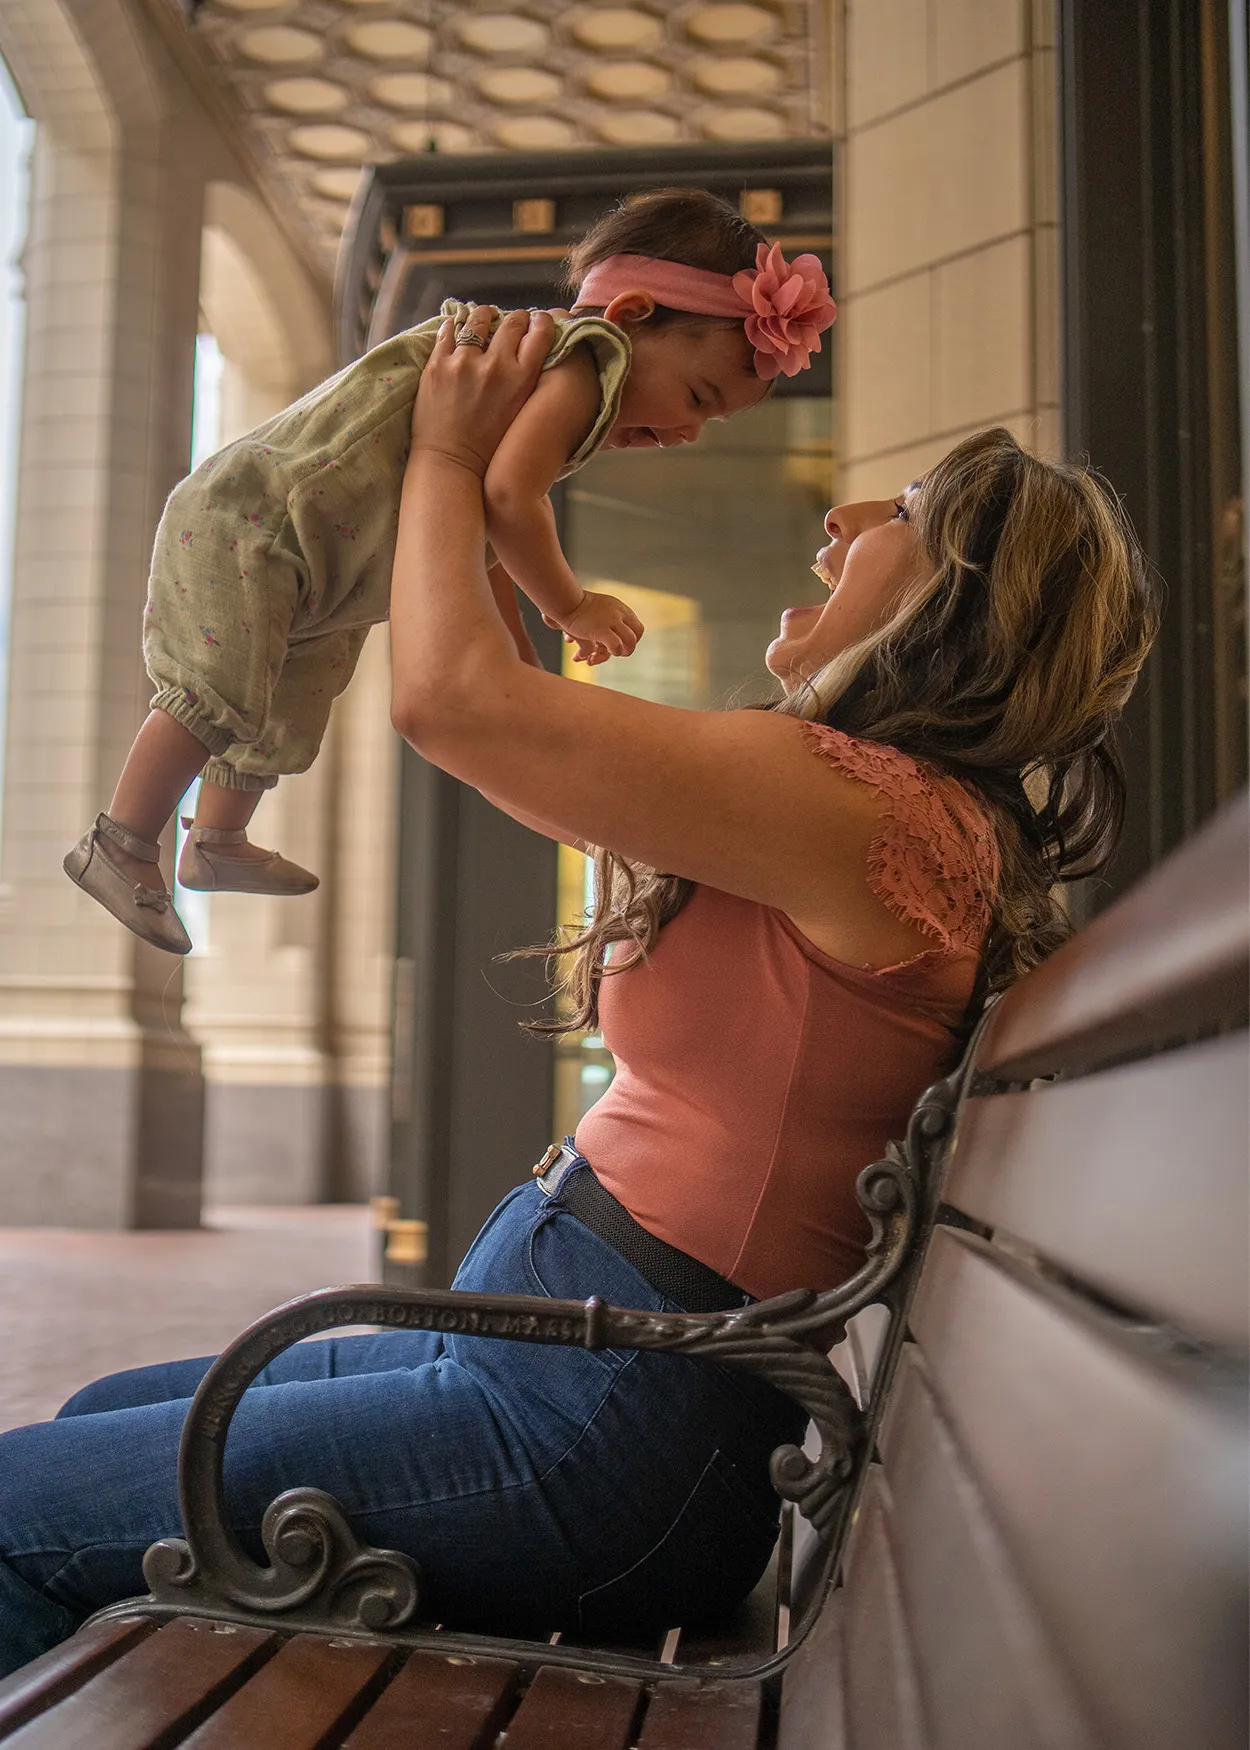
257, 300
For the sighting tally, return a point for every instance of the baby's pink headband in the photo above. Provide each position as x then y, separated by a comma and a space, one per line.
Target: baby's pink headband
785, 305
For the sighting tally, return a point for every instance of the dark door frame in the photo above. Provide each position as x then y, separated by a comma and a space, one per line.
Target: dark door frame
1150, 300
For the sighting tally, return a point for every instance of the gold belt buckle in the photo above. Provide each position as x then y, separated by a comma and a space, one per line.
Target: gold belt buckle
548, 1161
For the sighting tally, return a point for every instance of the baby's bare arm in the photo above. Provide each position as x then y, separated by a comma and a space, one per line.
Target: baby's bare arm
504, 591
519, 518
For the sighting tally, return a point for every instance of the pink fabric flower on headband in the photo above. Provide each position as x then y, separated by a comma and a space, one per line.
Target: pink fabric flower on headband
790, 309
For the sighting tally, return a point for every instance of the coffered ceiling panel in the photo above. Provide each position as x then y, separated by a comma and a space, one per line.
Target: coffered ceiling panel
322, 88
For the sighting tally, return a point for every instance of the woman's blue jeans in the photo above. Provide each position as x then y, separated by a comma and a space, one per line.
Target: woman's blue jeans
537, 1487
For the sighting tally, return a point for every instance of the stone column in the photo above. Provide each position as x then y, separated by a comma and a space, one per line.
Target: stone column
291, 1002
949, 284
254, 986
99, 1083
362, 946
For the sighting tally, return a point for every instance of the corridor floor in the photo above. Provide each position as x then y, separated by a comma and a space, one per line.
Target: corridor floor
76, 1305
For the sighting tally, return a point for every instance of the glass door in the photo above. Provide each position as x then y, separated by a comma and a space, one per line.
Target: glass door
708, 544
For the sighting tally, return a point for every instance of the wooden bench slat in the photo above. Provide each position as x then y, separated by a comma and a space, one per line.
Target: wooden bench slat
1100, 1175
563, 1709
303, 1698
156, 1693
440, 1701
56, 1674
703, 1716
1169, 959
882, 1697
1120, 1491
967, 1610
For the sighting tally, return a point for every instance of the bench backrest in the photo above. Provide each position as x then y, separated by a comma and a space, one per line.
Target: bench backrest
1051, 1550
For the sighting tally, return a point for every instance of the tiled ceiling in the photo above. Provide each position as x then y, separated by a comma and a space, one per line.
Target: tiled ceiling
322, 87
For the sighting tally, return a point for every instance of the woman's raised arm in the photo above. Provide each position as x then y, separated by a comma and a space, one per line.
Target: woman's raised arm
733, 799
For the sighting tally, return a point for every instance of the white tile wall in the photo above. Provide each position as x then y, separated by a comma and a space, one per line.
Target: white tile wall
943, 177
889, 365
950, 311
982, 334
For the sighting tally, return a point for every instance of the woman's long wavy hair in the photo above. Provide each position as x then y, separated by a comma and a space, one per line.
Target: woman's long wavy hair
1007, 665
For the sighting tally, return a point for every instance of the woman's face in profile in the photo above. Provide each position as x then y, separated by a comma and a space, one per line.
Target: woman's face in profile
872, 556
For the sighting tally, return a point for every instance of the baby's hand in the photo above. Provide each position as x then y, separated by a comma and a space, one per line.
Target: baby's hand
601, 626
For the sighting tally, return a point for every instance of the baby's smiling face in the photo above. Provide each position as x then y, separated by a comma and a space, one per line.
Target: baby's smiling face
682, 375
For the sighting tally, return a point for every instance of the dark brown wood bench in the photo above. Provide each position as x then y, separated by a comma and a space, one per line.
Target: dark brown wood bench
1022, 1523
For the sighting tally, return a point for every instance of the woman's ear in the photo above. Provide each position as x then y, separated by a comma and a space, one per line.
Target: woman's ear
628, 308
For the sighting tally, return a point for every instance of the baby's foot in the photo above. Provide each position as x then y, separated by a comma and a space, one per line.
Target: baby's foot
122, 872
220, 860
242, 853
135, 869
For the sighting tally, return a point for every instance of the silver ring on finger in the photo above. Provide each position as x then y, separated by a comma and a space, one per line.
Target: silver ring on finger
468, 338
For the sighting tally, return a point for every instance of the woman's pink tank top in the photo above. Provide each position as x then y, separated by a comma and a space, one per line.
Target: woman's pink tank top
756, 1076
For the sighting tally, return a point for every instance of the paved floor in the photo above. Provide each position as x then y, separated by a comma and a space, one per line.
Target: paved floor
76, 1305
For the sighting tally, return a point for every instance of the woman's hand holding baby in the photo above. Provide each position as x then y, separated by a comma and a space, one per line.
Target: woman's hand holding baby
470, 394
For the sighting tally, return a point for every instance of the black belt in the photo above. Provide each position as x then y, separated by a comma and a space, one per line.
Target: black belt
569, 1178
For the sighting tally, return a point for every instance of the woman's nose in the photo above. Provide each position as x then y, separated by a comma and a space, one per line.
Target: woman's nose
833, 528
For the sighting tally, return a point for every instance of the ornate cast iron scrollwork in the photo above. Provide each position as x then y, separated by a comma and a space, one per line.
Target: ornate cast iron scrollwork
315, 1560
319, 1575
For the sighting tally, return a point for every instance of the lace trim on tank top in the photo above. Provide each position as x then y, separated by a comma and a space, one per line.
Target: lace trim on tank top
934, 862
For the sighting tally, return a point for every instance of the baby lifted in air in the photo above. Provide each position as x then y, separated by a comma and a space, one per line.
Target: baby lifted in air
273, 559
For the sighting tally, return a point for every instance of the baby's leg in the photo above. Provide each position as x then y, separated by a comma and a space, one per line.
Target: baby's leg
163, 760
313, 674
219, 611
225, 809
228, 809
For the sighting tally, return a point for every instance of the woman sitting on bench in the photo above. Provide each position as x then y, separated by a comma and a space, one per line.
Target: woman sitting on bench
796, 909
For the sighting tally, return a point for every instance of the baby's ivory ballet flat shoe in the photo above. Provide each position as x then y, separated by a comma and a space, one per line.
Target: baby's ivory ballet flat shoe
206, 867
148, 911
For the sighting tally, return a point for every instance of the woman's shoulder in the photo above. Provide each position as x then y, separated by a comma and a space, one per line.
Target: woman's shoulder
934, 859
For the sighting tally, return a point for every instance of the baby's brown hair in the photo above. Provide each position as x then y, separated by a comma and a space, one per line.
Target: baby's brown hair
688, 225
